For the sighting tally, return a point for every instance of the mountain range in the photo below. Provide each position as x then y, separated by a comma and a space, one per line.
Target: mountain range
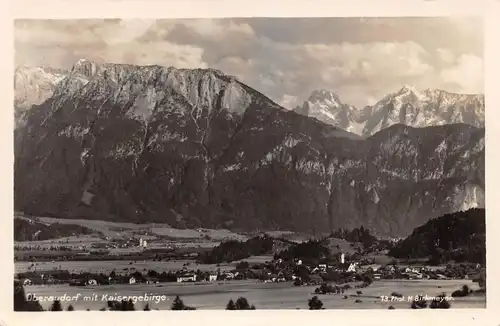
409, 106
198, 148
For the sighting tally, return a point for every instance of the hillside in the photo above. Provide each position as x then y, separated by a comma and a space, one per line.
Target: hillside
214, 153
459, 236
28, 230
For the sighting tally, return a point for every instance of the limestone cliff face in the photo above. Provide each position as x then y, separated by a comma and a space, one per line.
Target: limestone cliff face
408, 106
32, 86
431, 107
199, 148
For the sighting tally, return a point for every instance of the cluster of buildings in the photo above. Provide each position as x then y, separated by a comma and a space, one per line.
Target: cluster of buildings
275, 271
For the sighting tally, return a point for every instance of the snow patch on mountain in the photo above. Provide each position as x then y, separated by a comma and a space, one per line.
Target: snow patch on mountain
33, 85
328, 108
409, 106
430, 107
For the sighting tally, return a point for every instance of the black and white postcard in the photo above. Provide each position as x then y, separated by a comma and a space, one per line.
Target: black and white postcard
249, 163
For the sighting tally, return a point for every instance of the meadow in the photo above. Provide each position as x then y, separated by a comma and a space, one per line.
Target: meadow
266, 295
127, 266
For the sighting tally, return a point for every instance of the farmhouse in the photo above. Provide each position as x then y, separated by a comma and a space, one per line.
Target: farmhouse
47, 279
229, 275
352, 267
389, 268
27, 282
91, 282
372, 267
186, 278
412, 270
413, 275
132, 280
212, 277
151, 280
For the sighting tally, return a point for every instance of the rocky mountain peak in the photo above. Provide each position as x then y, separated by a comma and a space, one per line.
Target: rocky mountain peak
408, 88
85, 67
408, 105
33, 86
323, 95
196, 148
153, 84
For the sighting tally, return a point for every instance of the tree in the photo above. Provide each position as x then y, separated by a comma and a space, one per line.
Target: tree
367, 279
20, 302
315, 303
113, 305
481, 279
56, 306
440, 302
418, 304
463, 292
458, 237
178, 304
230, 305
70, 308
129, 306
146, 307
121, 305
240, 304
242, 265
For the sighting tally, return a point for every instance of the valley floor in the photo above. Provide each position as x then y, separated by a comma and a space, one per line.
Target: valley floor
264, 295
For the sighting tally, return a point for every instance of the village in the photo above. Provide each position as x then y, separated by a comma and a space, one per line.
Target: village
276, 271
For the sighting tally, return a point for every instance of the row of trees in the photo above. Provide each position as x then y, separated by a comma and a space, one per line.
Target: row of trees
309, 252
21, 304
233, 250
360, 235
438, 303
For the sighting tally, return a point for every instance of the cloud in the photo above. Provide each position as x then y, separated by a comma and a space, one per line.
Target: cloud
446, 55
60, 43
289, 101
284, 58
464, 74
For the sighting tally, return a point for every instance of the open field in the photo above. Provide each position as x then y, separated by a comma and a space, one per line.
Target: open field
73, 242
264, 295
119, 266
124, 266
153, 230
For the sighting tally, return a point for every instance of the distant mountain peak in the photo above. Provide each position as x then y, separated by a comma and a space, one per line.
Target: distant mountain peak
85, 67
324, 95
417, 108
408, 88
327, 107
32, 86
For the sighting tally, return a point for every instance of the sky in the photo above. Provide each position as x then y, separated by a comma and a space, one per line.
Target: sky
359, 59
